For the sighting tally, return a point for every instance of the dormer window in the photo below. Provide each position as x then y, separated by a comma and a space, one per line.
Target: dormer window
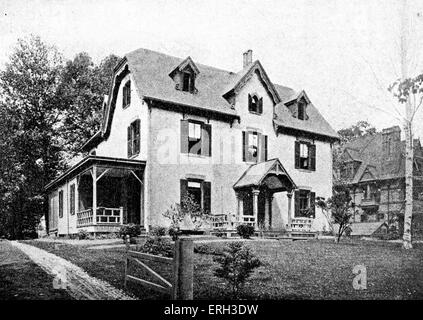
255, 104
184, 76
188, 82
301, 110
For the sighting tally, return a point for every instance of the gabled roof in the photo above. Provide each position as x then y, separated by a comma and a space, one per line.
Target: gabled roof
244, 75
256, 173
150, 71
184, 64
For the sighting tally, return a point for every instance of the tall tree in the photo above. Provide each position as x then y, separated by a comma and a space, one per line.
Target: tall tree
28, 87
82, 89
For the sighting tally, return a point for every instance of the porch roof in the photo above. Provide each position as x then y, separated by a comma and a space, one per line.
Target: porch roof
89, 161
256, 175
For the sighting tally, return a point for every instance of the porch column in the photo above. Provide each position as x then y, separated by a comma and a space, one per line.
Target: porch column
94, 175
289, 195
268, 211
255, 206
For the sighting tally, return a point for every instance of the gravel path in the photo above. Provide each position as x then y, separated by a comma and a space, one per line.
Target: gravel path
78, 283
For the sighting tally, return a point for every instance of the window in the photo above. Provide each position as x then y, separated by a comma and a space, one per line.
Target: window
134, 138
255, 105
305, 155
305, 203
254, 146
60, 204
195, 138
126, 94
199, 190
188, 83
72, 199
301, 110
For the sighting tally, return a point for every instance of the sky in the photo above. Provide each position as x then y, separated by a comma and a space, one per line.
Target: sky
344, 54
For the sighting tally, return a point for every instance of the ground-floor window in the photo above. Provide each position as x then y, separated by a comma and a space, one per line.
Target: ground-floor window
305, 204
199, 190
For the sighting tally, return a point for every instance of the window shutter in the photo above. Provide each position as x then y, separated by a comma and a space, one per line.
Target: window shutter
312, 159
296, 203
297, 154
258, 157
60, 203
128, 93
249, 102
263, 148
184, 189
206, 196
312, 204
260, 106
124, 96
129, 141
244, 146
137, 125
184, 136
206, 140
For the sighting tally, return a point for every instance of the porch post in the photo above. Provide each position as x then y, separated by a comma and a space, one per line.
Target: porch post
94, 175
268, 212
289, 195
256, 193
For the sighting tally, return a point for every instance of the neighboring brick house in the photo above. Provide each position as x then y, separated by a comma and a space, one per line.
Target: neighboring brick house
243, 147
373, 166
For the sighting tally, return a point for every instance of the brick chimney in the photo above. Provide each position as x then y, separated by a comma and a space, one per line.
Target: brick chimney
247, 58
391, 142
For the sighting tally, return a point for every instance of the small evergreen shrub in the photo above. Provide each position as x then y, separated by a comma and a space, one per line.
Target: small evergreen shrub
82, 235
158, 231
158, 246
245, 231
207, 249
236, 264
132, 230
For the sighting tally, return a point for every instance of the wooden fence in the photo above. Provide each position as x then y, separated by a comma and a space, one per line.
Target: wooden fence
180, 287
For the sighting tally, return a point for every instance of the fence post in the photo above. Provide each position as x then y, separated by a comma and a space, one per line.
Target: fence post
127, 247
183, 269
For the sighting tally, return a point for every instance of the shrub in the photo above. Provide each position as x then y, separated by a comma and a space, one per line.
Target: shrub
158, 231
245, 231
158, 246
82, 234
132, 230
237, 263
206, 249
174, 233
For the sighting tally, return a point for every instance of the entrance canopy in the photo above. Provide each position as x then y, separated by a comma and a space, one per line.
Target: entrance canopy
270, 174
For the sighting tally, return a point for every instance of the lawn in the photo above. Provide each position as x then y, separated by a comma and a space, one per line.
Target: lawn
315, 269
21, 279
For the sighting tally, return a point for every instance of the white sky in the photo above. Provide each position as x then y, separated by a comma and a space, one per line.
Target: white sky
341, 52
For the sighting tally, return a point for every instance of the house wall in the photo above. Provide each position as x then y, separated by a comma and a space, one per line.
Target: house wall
225, 166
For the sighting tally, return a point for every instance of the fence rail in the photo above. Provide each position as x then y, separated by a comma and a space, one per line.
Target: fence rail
228, 222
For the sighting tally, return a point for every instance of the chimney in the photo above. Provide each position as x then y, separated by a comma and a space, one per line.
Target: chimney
247, 58
391, 143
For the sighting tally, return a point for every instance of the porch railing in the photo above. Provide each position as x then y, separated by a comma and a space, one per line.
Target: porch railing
301, 224
230, 222
103, 216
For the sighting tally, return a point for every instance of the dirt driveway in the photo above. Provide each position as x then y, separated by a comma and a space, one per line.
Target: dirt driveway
68, 276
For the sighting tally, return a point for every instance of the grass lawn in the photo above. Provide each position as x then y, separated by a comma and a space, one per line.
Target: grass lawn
21, 279
315, 269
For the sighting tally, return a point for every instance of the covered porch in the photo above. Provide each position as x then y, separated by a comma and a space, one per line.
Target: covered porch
104, 194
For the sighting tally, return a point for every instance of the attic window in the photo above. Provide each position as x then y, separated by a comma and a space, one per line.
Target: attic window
188, 82
126, 94
301, 110
255, 104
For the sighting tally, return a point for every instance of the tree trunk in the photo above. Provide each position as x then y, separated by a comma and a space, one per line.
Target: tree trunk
408, 133
408, 184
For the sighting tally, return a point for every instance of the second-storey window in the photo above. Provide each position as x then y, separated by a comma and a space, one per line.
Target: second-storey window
134, 138
196, 138
305, 155
254, 146
126, 94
